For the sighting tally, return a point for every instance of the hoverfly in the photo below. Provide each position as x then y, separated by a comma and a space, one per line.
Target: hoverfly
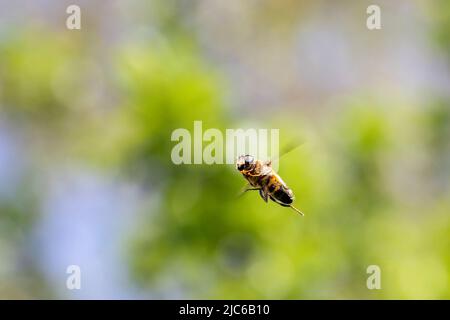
262, 177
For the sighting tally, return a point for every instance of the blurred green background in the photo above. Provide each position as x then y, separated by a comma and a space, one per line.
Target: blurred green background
86, 176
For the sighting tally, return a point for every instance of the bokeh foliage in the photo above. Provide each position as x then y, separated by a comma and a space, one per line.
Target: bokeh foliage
373, 181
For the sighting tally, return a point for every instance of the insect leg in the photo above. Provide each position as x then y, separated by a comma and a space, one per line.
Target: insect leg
246, 188
263, 193
298, 211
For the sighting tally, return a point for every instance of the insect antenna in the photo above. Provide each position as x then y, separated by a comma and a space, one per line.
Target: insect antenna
298, 211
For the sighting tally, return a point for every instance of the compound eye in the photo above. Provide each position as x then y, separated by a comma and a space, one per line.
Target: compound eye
248, 159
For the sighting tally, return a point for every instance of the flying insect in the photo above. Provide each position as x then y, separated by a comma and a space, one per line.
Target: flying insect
262, 177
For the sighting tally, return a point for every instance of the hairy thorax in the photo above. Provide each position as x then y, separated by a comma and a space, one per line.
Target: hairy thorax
258, 173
